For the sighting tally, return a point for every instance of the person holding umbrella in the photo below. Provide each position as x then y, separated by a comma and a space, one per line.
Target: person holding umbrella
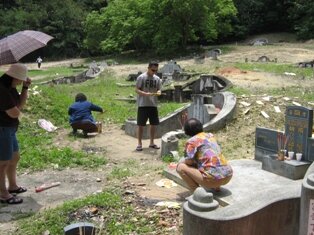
11, 103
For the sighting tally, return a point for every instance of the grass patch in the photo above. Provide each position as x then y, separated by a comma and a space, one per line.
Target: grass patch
52, 103
276, 68
123, 171
118, 217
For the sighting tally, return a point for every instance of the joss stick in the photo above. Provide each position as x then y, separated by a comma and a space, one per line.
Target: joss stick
286, 140
278, 141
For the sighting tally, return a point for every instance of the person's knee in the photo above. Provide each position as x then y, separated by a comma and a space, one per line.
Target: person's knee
15, 159
181, 168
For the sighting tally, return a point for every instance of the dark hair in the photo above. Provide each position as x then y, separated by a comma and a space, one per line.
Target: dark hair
6, 80
80, 97
153, 63
193, 127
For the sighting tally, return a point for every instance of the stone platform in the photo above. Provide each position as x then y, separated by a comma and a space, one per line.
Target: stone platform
291, 169
250, 183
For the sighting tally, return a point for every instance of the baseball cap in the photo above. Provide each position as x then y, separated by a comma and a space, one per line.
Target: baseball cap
18, 71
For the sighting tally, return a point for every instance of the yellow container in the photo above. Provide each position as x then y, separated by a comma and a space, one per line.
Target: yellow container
281, 155
99, 127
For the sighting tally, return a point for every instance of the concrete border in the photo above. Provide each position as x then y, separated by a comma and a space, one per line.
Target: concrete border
168, 123
225, 101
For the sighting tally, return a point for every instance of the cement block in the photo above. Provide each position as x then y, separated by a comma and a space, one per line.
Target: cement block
291, 169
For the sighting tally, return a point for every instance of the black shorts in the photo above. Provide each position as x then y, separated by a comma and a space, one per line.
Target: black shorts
147, 113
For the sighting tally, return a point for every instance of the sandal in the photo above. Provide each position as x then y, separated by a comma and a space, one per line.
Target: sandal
12, 200
18, 190
154, 146
139, 148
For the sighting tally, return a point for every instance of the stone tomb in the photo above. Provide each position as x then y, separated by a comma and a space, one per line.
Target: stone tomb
298, 131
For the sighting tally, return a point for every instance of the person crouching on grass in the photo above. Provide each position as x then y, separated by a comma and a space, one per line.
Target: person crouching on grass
204, 165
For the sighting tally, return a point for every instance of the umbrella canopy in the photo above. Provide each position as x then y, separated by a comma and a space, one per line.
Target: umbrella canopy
18, 45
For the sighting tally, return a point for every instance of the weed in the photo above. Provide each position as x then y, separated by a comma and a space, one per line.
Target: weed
118, 217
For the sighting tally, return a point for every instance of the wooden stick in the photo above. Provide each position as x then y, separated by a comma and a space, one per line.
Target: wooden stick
46, 186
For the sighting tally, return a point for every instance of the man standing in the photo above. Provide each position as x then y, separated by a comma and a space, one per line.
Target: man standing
39, 61
148, 87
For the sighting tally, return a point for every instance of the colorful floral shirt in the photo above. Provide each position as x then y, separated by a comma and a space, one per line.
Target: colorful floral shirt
205, 151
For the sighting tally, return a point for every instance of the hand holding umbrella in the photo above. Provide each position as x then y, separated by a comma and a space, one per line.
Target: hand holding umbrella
27, 83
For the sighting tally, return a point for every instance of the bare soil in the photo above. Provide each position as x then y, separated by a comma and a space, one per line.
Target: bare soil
237, 138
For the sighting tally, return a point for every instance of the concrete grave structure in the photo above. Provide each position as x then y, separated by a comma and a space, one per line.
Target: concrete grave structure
259, 42
169, 69
299, 125
93, 71
184, 85
258, 201
255, 201
306, 64
214, 111
214, 53
298, 134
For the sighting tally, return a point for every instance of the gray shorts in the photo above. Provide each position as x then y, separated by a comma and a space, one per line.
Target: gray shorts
8, 143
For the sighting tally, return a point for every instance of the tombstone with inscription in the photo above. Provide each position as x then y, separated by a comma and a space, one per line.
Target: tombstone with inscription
298, 126
297, 138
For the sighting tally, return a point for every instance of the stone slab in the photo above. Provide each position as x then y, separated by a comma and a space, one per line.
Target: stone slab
249, 181
291, 169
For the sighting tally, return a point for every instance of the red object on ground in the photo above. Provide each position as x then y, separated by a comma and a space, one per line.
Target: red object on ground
46, 186
172, 165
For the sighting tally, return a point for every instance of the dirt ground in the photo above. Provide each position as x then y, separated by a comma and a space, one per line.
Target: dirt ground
120, 148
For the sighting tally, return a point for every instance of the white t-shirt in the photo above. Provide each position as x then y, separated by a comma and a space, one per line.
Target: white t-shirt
147, 84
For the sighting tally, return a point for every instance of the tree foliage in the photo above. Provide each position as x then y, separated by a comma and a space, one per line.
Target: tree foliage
164, 26
302, 15
61, 19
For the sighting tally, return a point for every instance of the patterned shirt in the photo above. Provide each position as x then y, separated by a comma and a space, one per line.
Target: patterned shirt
206, 153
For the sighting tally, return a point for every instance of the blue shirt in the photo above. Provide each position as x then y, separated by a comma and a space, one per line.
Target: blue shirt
80, 111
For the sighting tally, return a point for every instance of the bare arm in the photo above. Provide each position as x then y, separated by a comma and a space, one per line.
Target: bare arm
143, 93
13, 112
23, 95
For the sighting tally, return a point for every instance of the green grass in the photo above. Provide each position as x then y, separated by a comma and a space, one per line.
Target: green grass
276, 68
123, 171
53, 73
52, 103
119, 217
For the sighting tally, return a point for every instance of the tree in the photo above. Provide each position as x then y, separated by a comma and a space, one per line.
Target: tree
61, 19
163, 25
302, 14
260, 16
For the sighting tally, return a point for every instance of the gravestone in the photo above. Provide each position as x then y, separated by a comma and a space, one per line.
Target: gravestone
298, 136
80, 229
265, 142
298, 126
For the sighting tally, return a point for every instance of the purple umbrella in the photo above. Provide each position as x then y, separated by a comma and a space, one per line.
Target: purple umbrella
18, 45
